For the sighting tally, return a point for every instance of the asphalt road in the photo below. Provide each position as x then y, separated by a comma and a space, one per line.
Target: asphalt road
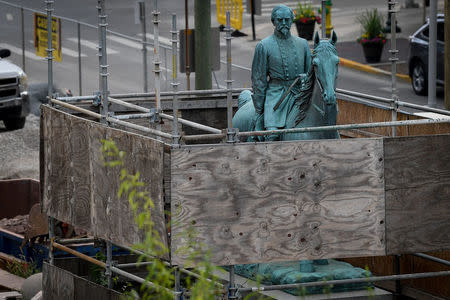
125, 57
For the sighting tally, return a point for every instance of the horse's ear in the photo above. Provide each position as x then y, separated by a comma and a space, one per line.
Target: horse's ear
316, 39
333, 39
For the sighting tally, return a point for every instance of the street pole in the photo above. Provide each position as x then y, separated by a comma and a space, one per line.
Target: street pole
80, 87
324, 29
252, 3
203, 78
432, 55
103, 62
393, 21
186, 43
22, 21
142, 15
49, 9
447, 54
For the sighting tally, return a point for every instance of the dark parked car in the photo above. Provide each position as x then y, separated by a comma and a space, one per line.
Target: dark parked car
418, 57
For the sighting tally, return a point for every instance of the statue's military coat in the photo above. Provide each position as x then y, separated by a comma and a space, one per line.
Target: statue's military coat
276, 63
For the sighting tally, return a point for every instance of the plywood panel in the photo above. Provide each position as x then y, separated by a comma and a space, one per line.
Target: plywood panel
285, 201
81, 191
417, 171
57, 283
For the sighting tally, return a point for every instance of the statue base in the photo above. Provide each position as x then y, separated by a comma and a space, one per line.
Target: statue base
289, 272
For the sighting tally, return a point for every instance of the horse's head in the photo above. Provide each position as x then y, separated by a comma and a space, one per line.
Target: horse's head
325, 62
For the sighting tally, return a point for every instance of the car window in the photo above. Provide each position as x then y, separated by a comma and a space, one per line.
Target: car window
440, 31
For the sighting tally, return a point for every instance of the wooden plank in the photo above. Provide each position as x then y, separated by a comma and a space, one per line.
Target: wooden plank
81, 191
285, 201
57, 283
417, 171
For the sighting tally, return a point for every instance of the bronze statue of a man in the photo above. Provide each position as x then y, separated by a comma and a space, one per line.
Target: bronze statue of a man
279, 59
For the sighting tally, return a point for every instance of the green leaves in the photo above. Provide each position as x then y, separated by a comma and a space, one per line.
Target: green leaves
371, 22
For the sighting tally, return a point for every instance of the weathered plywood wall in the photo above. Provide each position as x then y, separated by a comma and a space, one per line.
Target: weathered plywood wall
80, 190
60, 284
417, 193
276, 202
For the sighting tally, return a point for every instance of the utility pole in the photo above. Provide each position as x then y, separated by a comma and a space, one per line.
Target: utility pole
447, 54
203, 80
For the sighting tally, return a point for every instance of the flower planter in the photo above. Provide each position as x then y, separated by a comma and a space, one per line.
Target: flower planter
305, 30
373, 51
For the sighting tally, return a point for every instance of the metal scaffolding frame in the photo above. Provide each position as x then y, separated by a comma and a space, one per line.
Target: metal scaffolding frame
229, 135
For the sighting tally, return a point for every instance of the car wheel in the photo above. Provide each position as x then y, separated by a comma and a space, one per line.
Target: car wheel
418, 78
13, 124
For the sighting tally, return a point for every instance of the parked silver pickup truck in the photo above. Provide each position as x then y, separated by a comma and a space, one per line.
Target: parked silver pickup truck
14, 102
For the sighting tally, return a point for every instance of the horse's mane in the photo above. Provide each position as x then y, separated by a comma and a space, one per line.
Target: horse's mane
303, 98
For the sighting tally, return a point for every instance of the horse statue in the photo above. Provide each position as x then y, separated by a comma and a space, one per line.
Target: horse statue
313, 97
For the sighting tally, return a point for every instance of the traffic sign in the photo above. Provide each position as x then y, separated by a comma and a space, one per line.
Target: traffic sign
40, 36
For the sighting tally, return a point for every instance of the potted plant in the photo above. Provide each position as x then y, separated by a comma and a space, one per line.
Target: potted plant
372, 38
305, 20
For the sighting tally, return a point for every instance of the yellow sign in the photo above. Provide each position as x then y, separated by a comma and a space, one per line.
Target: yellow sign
235, 8
40, 36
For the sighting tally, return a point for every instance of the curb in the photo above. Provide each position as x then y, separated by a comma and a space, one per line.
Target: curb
369, 69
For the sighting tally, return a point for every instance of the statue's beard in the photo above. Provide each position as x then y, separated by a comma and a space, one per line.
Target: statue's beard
284, 30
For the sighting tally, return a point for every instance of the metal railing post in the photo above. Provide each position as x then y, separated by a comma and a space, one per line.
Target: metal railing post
156, 60
51, 236
80, 87
230, 135
393, 59
22, 22
176, 136
232, 286
432, 54
49, 9
324, 16
177, 284
108, 272
144, 44
103, 62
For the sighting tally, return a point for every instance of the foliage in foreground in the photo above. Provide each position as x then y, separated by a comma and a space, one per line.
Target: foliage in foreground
160, 273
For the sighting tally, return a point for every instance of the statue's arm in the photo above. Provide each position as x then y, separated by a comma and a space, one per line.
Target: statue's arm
259, 77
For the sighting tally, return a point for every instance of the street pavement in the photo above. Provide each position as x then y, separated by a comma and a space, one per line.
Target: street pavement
125, 56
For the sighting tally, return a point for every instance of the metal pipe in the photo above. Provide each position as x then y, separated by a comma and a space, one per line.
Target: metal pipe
176, 135
231, 285
75, 241
424, 108
177, 286
113, 269
320, 128
136, 264
49, 10
165, 116
345, 281
109, 264
51, 236
144, 43
367, 96
76, 108
433, 258
179, 93
80, 89
104, 108
140, 128
22, 22
393, 59
156, 58
186, 43
432, 52
324, 16
185, 271
229, 81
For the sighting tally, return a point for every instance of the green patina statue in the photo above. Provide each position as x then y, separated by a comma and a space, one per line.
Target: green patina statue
293, 88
